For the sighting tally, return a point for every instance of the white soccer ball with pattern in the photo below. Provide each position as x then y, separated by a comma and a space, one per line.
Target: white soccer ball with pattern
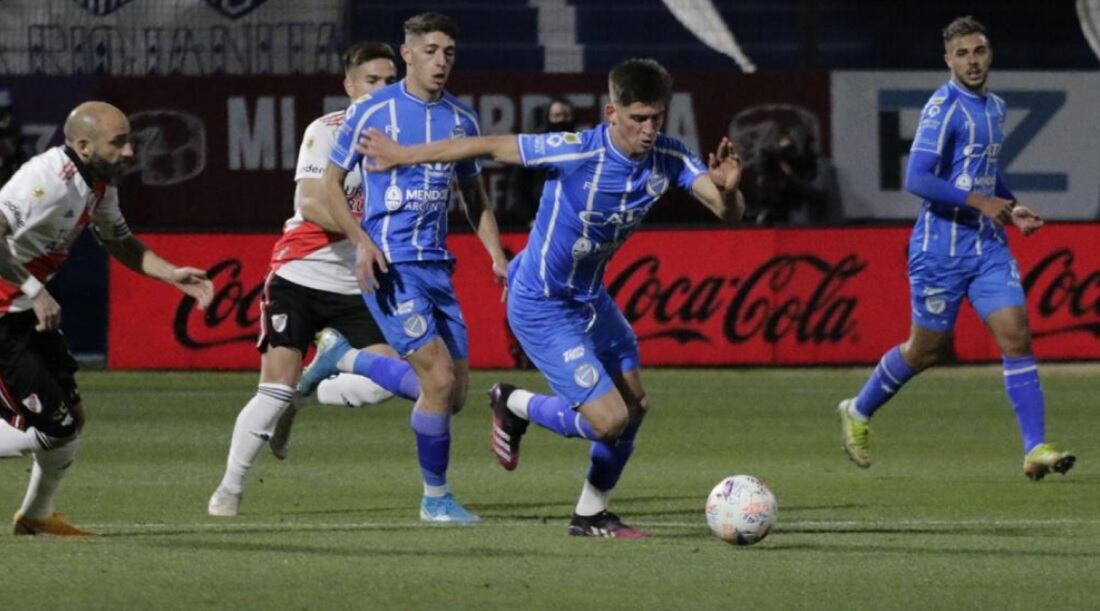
741, 510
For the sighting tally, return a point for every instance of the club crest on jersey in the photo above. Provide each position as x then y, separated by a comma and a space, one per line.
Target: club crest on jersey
964, 182
415, 326
586, 376
33, 404
278, 322
582, 247
393, 198
457, 132
656, 185
234, 9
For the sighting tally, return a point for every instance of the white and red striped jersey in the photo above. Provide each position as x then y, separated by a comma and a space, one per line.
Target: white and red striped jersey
306, 254
47, 203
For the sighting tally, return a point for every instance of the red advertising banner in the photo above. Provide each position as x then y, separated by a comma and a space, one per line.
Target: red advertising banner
706, 297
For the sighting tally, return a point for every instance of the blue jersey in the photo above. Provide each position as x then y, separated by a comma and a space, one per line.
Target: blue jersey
405, 209
593, 199
964, 131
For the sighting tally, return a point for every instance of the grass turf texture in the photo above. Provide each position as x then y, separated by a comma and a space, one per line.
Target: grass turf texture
944, 518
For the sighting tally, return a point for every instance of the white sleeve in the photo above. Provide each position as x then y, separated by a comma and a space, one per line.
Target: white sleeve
316, 146
107, 220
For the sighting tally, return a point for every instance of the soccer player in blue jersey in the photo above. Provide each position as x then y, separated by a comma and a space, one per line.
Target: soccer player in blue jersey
959, 250
600, 184
402, 262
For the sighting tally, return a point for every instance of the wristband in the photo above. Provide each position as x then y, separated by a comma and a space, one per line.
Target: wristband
31, 287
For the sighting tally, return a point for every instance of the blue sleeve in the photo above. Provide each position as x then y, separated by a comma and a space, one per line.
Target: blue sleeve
469, 167
921, 180
690, 167
343, 147
1001, 189
557, 150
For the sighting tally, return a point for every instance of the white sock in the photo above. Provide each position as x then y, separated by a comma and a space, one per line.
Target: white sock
592, 501
50, 467
14, 442
253, 428
430, 490
854, 413
351, 390
518, 402
347, 362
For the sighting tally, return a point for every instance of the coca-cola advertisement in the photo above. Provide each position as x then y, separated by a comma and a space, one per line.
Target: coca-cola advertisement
694, 297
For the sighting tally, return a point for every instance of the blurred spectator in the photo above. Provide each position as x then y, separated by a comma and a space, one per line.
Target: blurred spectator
12, 154
525, 185
794, 184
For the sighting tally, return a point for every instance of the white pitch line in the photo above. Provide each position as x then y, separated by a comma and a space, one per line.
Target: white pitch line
782, 525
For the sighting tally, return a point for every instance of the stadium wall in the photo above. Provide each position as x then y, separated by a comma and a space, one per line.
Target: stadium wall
695, 297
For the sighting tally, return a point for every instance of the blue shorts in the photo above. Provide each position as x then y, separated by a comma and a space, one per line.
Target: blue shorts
937, 285
416, 303
577, 346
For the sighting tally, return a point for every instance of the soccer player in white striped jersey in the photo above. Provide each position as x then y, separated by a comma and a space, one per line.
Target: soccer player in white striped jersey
310, 286
43, 209
958, 250
600, 184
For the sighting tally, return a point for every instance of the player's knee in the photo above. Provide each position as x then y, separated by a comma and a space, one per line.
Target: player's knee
439, 382
608, 426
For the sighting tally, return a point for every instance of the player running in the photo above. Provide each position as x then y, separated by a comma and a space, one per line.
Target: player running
600, 184
959, 250
311, 285
43, 209
403, 235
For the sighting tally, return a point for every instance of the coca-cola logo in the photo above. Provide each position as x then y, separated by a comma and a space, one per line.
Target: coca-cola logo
796, 296
231, 317
1056, 289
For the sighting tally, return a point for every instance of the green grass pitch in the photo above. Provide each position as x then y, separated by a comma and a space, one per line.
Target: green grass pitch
943, 520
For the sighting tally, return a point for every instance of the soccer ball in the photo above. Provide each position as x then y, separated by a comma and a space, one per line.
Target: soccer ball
741, 510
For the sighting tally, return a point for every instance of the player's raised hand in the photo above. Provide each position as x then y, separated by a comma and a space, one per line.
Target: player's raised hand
724, 166
367, 259
46, 310
1025, 220
193, 283
381, 152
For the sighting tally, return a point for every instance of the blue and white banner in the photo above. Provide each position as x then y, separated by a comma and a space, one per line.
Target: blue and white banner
170, 37
1051, 149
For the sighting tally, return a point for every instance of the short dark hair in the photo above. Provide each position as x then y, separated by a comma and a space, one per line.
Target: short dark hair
639, 80
962, 26
426, 23
363, 52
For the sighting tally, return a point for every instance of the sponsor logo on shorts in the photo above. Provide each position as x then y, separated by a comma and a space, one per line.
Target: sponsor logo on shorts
33, 404
586, 376
393, 198
415, 326
573, 354
278, 322
405, 307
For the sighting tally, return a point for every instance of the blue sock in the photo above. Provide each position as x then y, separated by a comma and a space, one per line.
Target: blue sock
433, 445
395, 375
555, 414
609, 459
887, 378
1026, 395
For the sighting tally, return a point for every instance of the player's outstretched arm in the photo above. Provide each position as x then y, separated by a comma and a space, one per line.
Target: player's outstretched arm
480, 214
310, 194
46, 309
384, 154
368, 257
718, 188
134, 254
